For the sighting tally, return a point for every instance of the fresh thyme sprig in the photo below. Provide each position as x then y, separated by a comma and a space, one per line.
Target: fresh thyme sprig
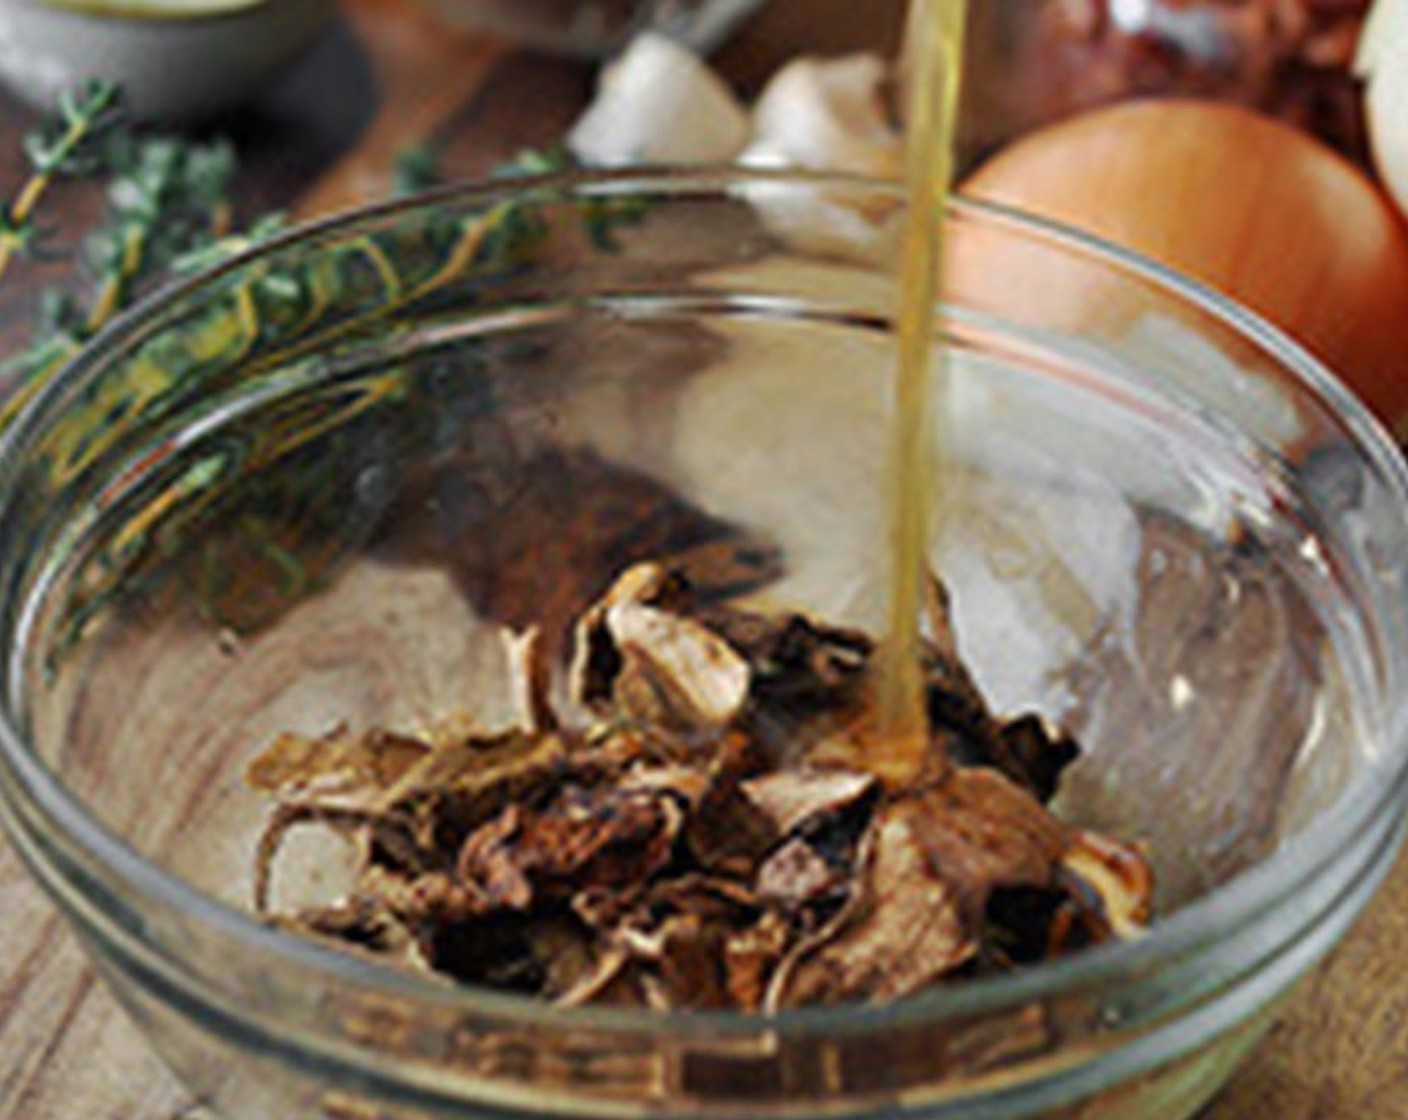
65, 147
417, 169
258, 541
168, 213
167, 199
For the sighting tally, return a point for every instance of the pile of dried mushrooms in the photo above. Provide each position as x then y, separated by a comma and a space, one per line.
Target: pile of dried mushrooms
694, 825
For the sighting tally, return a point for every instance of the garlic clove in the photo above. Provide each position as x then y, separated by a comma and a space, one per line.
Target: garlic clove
1388, 126
659, 103
1385, 33
827, 114
1383, 63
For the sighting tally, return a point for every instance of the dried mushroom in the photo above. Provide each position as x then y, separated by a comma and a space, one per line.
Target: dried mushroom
697, 828
900, 931
649, 664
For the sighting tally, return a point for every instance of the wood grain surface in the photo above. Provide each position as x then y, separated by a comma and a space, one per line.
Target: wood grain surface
68, 1053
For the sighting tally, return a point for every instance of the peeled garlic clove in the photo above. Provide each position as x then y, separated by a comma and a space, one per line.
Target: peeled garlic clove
827, 115
1383, 62
1385, 26
658, 103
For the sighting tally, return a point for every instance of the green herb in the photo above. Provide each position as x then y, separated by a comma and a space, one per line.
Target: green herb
417, 169
219, 250
63, 148
166, 199
251, 540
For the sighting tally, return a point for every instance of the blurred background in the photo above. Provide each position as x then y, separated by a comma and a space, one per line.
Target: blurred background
320, 102
318, 105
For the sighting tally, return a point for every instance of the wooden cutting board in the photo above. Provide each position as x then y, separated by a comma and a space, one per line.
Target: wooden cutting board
67, 1052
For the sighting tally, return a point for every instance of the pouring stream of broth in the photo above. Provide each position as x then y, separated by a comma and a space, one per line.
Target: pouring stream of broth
934, 56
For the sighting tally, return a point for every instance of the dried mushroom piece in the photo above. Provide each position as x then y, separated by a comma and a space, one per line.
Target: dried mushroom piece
697, 827
423, 899
336, 770
530, 679
335, 779
792, 799
580, 839
1120, 877
437, 802
798, 665
1028, 749
751, 956
1034, 752
674, 672
361, 922
797, 874
981, 832
534, 955
596, 660
901, 932
727, 831
639, 657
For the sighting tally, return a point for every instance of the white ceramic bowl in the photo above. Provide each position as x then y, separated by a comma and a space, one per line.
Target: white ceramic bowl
174, 62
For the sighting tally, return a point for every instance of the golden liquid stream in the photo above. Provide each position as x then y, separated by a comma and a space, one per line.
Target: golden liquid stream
933, 68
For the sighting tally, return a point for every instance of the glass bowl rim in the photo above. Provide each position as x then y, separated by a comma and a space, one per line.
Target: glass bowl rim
1195, 926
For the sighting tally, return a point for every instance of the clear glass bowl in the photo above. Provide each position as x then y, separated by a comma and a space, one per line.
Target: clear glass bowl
306, 488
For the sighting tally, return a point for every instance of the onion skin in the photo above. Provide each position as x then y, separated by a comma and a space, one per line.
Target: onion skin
1247, 205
